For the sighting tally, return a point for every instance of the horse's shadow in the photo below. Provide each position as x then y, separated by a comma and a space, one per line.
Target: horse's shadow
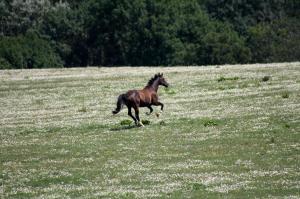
120, 128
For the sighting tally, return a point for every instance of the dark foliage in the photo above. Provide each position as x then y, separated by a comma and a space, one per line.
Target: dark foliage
53, 33
28, 51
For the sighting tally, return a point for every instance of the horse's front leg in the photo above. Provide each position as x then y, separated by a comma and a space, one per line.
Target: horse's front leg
159, 104
151, 110
161, 107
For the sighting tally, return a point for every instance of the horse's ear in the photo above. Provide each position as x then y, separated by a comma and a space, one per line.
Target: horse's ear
162, 74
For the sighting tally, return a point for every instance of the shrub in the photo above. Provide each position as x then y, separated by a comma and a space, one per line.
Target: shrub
169, 91
163, 123
221, 79
126, 122
83, 109
210, 122
266, 78
197, 186
146, 122
227, 78
285, 95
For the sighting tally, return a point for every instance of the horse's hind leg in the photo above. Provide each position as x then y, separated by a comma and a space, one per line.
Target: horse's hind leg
130, 114
136, 109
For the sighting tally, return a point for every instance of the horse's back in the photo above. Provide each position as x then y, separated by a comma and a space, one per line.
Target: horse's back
138, 98
131, 97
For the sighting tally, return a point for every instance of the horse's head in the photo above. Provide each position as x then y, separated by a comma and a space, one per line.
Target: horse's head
162, 81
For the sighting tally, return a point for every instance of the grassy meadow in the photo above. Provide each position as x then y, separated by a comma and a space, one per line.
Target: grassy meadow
227, 132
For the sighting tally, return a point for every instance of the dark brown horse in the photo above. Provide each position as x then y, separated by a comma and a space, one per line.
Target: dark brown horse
142, 98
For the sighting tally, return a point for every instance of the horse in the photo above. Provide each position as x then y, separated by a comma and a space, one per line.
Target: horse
142, 98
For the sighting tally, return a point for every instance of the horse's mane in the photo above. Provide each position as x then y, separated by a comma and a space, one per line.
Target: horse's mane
150, 82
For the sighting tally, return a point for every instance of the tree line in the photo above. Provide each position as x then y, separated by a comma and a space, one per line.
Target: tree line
57, 33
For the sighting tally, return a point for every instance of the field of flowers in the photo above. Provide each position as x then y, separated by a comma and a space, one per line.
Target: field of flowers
227, 131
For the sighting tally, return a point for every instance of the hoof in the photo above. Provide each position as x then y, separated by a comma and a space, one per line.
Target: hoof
148, 113
158, 113
140, 124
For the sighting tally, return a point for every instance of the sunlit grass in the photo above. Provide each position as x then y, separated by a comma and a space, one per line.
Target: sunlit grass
233, 138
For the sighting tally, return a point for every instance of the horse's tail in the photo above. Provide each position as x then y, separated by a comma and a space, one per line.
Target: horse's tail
120, 104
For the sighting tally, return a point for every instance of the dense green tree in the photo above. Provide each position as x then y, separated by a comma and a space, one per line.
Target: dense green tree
244, 13
34, 33
158, 33
65, 27
17, 16
28, 51
276, 42
224, 46
4, 64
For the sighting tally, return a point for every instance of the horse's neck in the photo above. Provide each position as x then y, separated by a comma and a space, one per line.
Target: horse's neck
154, 86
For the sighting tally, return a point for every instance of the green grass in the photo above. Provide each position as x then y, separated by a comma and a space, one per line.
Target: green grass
238, 142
